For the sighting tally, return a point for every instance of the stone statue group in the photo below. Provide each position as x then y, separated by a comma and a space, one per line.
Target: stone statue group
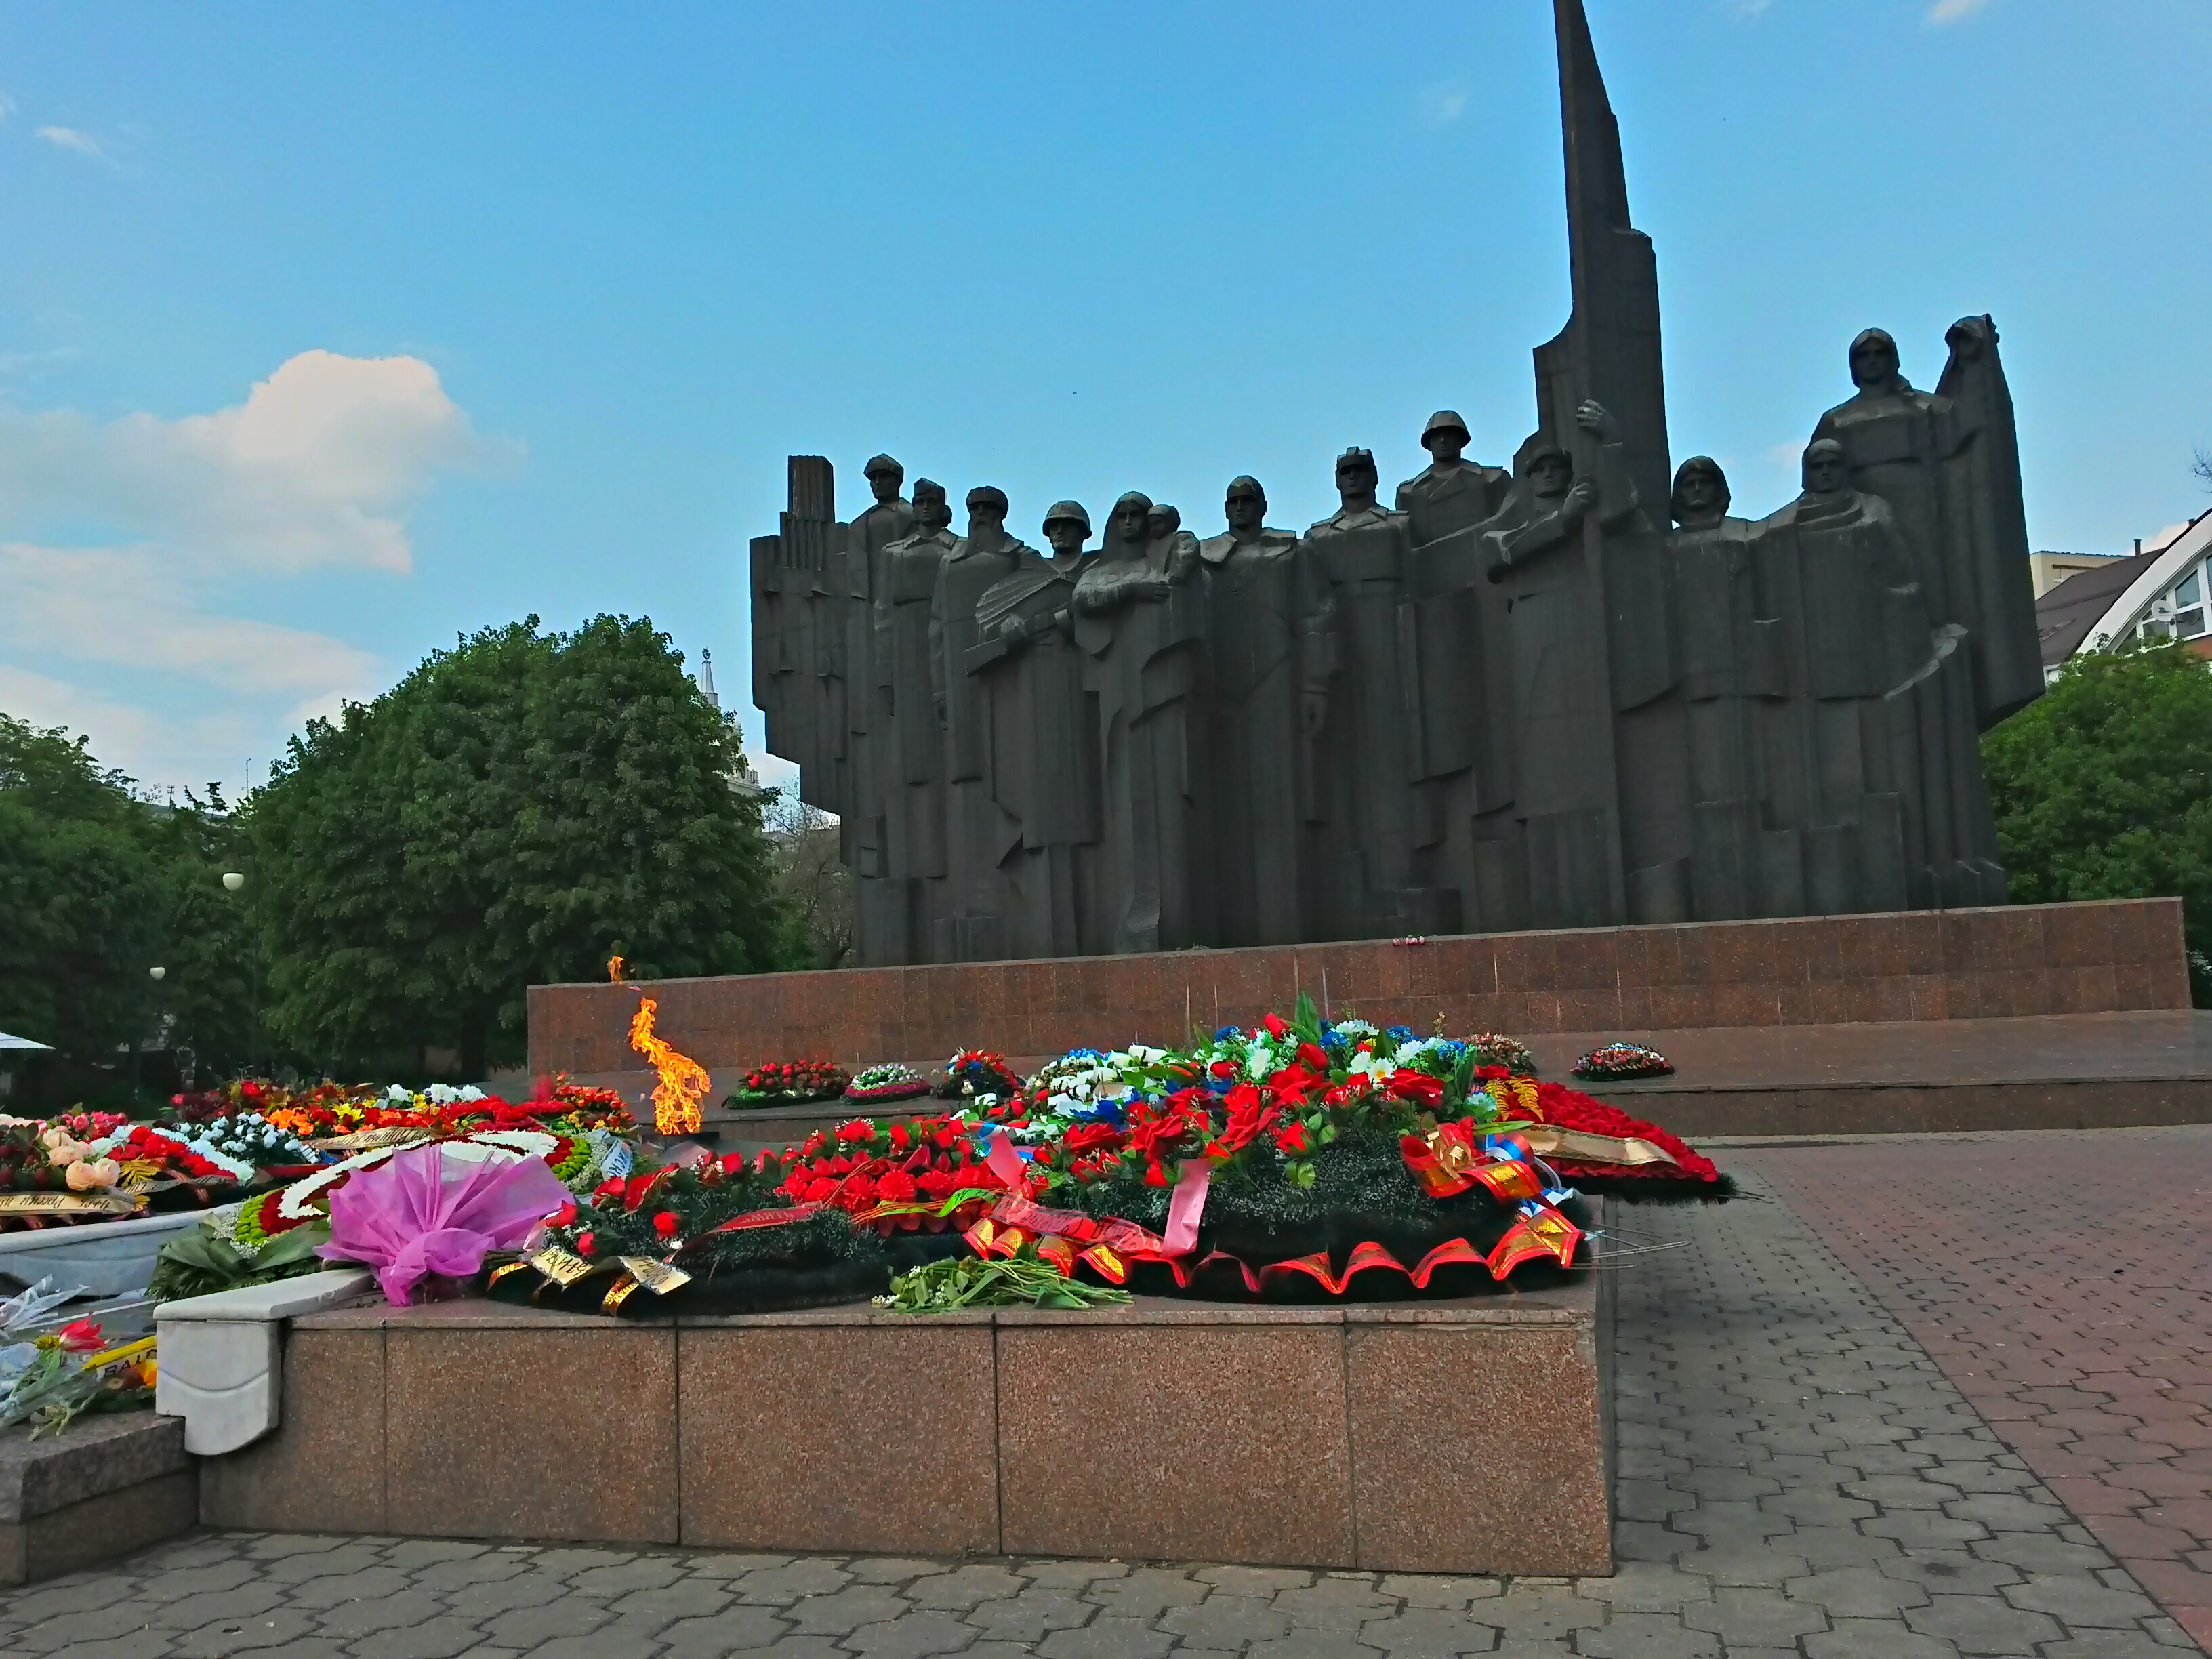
1524, 698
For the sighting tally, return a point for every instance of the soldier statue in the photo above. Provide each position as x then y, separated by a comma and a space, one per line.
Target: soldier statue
1560, 713
1361, 557
1268, 641
1454, 628
1040, 765
978, 832
863, 824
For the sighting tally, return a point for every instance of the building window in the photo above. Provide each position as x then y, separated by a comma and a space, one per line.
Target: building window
2189, 605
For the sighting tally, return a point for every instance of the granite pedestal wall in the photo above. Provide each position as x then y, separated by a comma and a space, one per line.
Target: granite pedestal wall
1462, 1436
2023, 960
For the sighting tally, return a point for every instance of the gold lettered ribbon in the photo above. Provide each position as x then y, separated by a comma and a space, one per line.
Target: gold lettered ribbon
67, 1204
1547, 1142
624, 1288
362, 1140
1106, 1263
1509, 1180
562, 1266
505, 1267
656, 1276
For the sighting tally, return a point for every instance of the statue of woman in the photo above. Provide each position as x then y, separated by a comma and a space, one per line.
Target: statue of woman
1141, 627
1948, 464
1723, 732
914, 888
1897, 816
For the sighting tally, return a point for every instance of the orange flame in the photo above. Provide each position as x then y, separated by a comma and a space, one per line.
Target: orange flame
683, 1079
614, 969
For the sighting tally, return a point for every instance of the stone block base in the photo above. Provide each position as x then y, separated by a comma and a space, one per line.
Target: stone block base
1463, 1436
103, 1487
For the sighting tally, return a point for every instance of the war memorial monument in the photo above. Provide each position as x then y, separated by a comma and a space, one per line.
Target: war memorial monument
1574, 745
1194, 852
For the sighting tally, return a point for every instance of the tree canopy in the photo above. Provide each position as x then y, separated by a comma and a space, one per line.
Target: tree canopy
97, 887
515, 810
2103, 787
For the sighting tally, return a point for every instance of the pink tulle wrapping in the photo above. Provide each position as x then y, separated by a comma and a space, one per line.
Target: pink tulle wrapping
416, 1214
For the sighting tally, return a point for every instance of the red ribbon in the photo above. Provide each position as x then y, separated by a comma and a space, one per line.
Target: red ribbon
738, 1223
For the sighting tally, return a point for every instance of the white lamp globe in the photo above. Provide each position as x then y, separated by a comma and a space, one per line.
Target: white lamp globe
233, 880
158, 974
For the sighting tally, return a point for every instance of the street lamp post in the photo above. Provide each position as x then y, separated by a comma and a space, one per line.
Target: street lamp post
157, 974
232, 881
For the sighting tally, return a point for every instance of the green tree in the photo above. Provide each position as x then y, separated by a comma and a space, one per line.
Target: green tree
513, 811
98, 886
2103, 787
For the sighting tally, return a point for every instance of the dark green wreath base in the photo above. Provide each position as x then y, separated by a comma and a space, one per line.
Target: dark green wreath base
754, 1100
1362, 1193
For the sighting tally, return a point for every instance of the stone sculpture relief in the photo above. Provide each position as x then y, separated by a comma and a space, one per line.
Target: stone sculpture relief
1563, 695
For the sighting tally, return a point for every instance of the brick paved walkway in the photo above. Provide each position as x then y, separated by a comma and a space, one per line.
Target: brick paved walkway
1796, 1477
2064, 1283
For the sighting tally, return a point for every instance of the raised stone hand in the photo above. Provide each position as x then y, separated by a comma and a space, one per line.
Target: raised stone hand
1592, 417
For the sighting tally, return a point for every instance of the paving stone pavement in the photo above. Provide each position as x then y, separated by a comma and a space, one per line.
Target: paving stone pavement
2064, 1283
1795, 1477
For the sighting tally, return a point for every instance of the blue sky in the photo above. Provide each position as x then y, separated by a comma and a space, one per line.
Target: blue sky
328, 331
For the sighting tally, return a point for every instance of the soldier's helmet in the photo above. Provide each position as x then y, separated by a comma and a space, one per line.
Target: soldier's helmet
1067, 512
1444, 420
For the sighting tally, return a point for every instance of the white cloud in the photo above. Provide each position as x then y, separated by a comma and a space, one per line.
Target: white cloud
17, 365
122, 543
7, 106
69, 138
773, 771
127, 606
316, 467
156, 747
1442, 104
1748, 7
1951, 11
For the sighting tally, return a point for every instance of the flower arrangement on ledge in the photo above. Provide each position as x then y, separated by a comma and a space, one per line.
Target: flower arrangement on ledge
1613, 1061
790, 1083
978, 1076
878, 1084
276, 1232
1299, 1158
51, 1373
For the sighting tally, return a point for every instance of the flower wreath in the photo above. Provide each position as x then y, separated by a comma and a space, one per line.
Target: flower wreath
889, 1081
1623, 1059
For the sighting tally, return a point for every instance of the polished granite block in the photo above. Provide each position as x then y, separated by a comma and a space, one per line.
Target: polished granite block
1358, 1437
2019, 961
